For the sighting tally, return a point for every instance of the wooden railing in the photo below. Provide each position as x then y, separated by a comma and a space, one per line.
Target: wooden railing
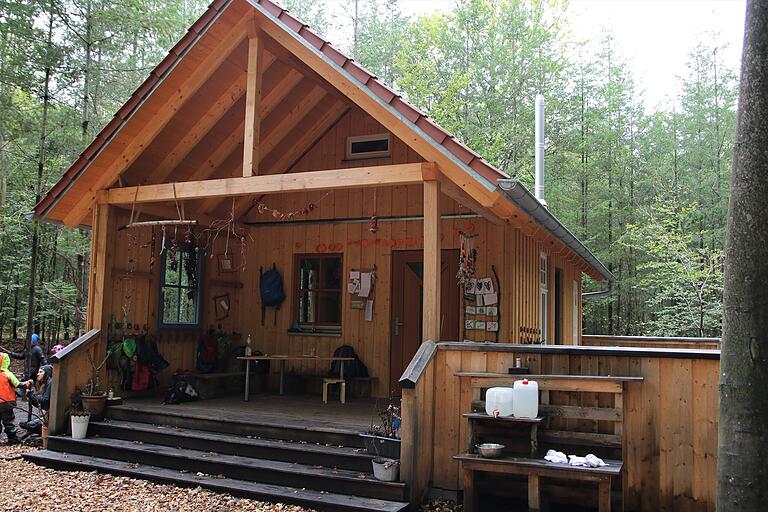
71, 369
669, 424
416, 450
599, 340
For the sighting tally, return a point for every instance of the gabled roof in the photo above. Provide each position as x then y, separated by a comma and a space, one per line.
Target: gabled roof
470, 171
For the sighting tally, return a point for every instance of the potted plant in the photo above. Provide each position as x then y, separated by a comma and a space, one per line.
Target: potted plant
383, 438
92, 398
78, 418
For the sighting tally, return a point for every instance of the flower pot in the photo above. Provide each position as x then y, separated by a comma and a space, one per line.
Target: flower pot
94, 405
79, 426
386, 470
382, 446
44, 436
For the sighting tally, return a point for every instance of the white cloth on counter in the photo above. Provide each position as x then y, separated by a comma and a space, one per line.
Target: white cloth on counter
589, 461
555, 456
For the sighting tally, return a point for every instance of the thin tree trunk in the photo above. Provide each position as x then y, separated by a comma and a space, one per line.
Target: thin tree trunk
39, 184
742, 470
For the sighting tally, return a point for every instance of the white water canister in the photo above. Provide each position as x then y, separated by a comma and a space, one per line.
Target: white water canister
498, 402
525, 399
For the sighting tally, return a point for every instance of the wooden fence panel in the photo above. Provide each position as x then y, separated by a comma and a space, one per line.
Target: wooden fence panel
670, 418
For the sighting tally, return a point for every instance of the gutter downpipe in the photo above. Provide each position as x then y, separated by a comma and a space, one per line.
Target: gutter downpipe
539, 150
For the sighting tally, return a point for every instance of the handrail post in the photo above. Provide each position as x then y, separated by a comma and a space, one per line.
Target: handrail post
68, 364
417, 431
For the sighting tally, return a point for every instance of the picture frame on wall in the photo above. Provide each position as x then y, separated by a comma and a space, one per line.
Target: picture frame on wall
221, 306
226, 265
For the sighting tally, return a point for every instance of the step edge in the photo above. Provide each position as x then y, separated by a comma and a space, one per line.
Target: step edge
212, 483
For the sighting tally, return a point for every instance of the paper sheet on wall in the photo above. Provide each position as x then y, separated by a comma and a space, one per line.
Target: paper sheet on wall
354, 274
365, 284
369, 311
490, 299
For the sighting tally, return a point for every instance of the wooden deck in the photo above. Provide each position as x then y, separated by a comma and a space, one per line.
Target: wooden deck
297, 411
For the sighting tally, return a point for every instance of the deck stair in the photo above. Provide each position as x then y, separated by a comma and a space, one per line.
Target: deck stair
311, 467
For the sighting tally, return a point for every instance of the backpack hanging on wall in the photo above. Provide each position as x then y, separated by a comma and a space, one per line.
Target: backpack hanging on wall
271, 289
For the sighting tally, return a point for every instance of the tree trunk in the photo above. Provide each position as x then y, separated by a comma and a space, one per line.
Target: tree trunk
742, 470
39, 185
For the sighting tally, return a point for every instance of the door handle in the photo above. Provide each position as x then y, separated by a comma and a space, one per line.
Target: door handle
397, 325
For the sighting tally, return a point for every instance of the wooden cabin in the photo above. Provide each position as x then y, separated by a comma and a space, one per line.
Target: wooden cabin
327, 147
256, 145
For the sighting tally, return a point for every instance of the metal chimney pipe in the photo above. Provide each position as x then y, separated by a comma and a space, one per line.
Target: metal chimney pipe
539, 188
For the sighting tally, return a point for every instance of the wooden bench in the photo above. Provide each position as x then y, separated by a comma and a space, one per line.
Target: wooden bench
536, 469
212, 385
589, 419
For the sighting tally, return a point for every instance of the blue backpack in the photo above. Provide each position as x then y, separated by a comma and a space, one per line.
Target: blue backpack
272, 293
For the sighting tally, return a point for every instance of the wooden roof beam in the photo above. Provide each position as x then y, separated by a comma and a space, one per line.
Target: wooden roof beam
186, 90
281, 128
225, 148
292, 149
253, 105
195, 134
383, 175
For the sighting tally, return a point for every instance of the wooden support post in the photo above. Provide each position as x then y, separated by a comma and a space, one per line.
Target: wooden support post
534, 493
98, 296
431, 314
252, 106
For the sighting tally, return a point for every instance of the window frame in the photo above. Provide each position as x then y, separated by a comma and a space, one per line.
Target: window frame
331, 328
161, 323
368, 154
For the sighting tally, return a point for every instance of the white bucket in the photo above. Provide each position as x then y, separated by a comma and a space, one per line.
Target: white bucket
79, 426
386, 470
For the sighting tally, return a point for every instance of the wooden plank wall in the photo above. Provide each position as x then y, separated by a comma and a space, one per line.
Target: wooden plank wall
514, 255
135, 295
669, 431
594, 340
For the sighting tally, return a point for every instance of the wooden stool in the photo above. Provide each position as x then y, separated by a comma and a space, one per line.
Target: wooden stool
342, 389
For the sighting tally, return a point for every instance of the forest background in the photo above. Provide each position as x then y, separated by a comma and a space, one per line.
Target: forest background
645, 190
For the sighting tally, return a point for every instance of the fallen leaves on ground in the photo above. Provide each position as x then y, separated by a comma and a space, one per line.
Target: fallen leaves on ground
441, 505
28, 486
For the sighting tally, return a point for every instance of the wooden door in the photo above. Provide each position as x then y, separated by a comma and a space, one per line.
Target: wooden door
407, 304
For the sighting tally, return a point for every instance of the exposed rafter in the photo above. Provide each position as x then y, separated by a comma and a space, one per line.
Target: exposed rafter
203, 71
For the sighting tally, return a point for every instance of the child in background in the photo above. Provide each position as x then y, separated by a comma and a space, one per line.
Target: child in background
8, 385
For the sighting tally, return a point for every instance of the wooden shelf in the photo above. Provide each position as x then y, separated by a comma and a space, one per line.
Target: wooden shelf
226, 284
509, 419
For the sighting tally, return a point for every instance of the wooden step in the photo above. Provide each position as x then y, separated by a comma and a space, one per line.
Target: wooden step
317, 500
286, 430
233, 466
311, 454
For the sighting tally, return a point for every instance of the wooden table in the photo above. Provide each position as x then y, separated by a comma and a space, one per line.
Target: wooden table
282, 360
534, 469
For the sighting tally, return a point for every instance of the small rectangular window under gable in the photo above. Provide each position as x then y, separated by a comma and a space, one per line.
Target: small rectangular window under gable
368, 146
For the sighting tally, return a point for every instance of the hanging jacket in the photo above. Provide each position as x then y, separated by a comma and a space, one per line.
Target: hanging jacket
8, 381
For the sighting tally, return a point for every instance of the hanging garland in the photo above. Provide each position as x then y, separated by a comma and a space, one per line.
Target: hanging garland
262, 208
467, 257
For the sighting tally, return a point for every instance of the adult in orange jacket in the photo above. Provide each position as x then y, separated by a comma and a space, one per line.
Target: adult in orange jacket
8, 385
